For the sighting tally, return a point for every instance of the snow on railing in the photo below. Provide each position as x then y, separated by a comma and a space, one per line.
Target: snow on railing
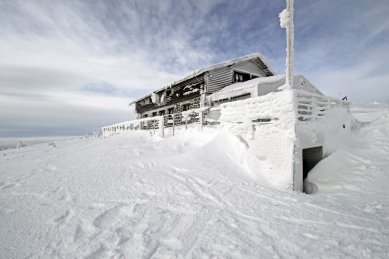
313, 106
152, 123
158, 122
275, 106
192, 116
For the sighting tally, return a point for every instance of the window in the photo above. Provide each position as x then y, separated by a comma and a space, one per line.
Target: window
186, 107
170, 110
145, 116
154, 114
162, 112
241, 77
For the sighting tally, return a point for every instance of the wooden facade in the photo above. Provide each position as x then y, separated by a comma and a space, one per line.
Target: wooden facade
190, 92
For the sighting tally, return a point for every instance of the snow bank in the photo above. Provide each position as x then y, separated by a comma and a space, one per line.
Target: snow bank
340, 169
192, 196
278, 106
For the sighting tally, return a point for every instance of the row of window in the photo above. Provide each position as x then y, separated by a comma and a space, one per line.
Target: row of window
184, 107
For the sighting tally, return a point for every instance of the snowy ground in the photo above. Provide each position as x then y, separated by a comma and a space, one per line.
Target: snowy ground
15, 142
136, 196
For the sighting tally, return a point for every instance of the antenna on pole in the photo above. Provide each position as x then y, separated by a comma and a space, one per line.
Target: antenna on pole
286, 22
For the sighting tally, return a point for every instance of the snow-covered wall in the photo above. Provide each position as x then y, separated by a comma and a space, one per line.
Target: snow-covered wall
276, 128
270, 143
277, 106
324, 132
322, 122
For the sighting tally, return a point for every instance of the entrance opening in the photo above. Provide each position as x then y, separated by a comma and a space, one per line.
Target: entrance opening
311, 156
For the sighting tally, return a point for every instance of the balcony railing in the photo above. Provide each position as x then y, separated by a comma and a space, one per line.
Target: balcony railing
313, 107
158, 123
263, 109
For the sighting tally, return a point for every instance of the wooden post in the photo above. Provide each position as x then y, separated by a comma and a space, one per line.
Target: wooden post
161, 127
201, 120
173, 123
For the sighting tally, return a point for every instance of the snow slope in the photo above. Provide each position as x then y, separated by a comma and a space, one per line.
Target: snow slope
137, 196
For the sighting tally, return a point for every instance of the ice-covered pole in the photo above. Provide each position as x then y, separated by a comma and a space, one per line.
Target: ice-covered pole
286, 22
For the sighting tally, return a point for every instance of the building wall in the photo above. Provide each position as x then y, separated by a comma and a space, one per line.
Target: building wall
219, 78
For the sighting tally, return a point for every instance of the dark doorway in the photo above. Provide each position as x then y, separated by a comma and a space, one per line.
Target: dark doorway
311, 156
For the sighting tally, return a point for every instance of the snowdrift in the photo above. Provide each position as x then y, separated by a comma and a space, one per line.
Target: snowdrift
197, 195
342, 168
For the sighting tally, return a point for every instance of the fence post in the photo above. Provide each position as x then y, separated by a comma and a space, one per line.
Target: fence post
201, 120
173, 123
161, 127
314, 113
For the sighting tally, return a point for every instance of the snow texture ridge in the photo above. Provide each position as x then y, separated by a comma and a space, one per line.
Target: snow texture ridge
193, 196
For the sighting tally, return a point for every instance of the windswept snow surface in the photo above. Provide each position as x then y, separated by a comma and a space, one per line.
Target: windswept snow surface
15, 142
189, 196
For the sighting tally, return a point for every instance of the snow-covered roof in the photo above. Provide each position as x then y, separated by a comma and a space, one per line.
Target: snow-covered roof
265, 85
213, 67
252, 82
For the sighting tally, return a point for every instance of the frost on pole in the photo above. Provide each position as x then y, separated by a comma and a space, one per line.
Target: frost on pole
284, 19
286, 22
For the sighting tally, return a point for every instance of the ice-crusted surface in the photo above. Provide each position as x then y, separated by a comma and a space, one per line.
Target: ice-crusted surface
284, 19
278, 105
191, 196
268, 125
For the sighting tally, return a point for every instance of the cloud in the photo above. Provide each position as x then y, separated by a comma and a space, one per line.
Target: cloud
60, 57
75, 65
342, 47
365, 80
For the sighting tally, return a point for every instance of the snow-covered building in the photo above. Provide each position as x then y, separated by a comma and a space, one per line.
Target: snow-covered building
285, 129
191, 91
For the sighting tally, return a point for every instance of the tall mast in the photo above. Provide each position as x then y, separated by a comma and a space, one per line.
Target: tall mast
286, 21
